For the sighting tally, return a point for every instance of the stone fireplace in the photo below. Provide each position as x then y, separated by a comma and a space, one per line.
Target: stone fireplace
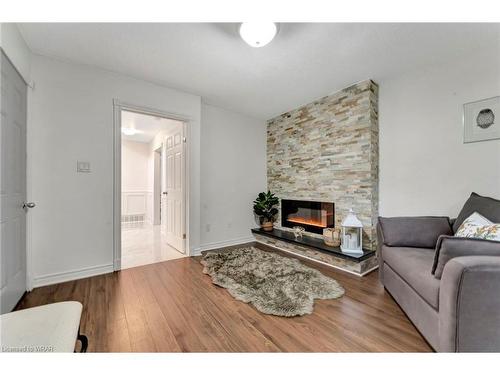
326, 151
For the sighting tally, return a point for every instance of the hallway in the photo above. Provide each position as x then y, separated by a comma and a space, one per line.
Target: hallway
143, 244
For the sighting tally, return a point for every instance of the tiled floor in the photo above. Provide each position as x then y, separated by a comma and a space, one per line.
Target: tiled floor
145, 244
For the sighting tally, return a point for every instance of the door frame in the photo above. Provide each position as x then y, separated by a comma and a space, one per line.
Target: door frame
118, 107
157, 178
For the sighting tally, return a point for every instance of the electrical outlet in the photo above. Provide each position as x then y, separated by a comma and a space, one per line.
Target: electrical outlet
83, 167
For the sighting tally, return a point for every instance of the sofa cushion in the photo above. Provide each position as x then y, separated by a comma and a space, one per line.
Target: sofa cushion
487, 207
449, 247
413, 265
418, 231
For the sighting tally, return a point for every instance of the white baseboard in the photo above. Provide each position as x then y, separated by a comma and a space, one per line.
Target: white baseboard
61, 277
219, 244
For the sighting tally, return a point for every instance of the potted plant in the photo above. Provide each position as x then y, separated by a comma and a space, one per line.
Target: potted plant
264, 208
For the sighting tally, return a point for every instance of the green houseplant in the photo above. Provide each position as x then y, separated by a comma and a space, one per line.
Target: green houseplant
264, 208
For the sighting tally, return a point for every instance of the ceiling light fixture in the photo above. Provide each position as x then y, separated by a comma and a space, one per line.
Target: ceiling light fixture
131, 131
258, 34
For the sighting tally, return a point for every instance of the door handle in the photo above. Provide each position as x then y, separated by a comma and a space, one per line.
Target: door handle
165, 193
28, 205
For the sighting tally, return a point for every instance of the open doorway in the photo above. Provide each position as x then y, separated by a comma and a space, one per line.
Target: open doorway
153, 189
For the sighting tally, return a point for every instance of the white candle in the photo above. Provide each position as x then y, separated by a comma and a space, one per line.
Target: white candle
354, 242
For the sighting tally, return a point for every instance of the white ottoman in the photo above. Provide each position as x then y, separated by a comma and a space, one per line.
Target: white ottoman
47, 328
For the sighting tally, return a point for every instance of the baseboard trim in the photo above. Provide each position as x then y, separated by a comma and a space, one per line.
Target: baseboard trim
61, 277
370, 270
219, 244
315, 260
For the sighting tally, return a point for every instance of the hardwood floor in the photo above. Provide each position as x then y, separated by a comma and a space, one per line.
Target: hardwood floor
173, 307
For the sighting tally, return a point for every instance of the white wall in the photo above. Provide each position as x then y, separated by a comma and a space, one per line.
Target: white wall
137, 177
16, 49
425, 168
233, 172
136, 172
71, 118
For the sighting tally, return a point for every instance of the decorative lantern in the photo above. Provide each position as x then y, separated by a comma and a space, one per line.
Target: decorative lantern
352, 234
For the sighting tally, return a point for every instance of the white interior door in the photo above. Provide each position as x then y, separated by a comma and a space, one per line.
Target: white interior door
173, 201
12, 186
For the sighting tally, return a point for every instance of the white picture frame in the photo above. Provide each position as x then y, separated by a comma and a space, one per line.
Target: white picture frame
482, 120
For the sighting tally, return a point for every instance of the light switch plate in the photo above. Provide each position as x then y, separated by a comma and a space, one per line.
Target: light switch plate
83, 167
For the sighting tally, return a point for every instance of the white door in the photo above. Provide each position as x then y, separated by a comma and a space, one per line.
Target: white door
173, 201
12, 186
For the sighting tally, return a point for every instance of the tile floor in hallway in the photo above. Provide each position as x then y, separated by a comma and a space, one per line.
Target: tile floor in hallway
143, 243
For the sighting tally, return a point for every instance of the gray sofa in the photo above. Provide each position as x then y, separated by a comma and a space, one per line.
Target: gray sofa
448, 286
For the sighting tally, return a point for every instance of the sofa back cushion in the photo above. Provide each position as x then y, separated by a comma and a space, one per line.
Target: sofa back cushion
449, 247
418, 231
485, 206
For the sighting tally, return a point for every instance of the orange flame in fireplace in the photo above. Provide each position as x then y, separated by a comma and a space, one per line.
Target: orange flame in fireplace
302, 220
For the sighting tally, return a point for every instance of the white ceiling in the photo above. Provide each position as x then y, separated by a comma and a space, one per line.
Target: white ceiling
304, 62
149, 126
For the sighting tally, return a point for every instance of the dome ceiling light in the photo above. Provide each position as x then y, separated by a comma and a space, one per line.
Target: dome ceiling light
131, 131
258, 34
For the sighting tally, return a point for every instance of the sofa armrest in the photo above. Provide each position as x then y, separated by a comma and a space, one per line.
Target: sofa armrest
449, 247
469, 305
380, 255
418, 231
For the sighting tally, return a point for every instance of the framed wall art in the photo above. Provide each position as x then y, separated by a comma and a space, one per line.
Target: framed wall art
482, 120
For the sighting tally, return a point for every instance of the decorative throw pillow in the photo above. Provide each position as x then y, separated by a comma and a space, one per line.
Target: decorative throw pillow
477, 226
488, 207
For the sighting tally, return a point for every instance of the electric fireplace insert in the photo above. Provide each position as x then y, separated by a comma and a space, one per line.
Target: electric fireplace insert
313, 216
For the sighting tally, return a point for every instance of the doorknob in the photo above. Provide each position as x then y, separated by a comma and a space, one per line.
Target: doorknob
165, 193
28, 205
